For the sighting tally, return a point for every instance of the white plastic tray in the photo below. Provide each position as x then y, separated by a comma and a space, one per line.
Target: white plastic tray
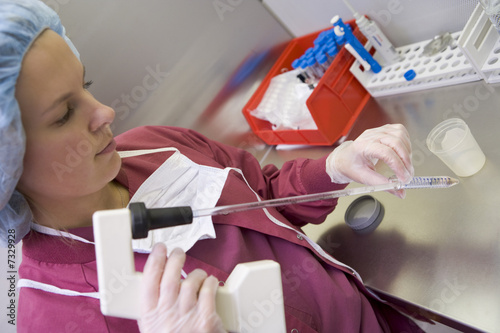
448, 67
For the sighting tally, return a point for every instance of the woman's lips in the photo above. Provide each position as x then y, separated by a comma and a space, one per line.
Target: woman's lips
109, 148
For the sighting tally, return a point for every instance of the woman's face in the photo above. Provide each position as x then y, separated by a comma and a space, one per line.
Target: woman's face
70, 150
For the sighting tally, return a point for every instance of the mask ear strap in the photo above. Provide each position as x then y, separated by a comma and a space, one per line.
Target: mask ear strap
139, 152
59, 233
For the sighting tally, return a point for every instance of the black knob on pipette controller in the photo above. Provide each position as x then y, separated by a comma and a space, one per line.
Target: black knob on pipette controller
145, 219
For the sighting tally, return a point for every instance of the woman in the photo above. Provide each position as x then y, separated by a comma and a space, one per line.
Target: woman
71, 168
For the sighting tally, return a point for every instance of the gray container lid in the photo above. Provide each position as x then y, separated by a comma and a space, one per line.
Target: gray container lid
364, 214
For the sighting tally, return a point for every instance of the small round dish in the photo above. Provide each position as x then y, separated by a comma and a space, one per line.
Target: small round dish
364, 214
438, 44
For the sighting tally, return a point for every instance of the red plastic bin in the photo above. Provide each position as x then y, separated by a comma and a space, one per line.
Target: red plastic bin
334, 104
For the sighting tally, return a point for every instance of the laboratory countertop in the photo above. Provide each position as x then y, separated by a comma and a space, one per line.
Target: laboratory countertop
437, 249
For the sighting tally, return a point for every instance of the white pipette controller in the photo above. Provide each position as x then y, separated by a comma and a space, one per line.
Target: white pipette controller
251, 299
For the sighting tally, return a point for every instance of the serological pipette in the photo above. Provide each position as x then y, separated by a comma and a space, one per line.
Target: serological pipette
144, 219
416, 182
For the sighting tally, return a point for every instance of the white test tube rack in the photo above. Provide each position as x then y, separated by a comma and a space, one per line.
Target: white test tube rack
473, 55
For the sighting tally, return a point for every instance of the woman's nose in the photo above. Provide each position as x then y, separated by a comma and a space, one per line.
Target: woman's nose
102, 115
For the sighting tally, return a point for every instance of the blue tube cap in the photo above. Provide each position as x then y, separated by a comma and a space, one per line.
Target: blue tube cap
332, 49
320, 40
296, 63
410, 75
321, 58
310, 61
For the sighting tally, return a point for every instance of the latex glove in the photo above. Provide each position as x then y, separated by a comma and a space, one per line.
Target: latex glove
171, 305
355, 160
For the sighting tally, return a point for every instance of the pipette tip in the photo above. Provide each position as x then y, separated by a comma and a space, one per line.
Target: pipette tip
453, 181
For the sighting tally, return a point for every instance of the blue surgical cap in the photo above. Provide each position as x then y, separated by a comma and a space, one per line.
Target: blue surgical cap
21, 22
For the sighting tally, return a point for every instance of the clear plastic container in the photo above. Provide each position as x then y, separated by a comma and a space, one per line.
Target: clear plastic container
452, 141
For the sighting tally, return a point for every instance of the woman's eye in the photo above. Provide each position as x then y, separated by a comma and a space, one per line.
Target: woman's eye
87, 84
66, 117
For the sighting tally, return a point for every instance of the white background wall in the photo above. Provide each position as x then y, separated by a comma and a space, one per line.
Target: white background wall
403, 21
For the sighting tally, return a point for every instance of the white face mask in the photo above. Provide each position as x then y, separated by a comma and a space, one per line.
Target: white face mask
179, 182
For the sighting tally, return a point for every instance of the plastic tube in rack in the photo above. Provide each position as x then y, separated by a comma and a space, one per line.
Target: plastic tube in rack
331, 50
322, 60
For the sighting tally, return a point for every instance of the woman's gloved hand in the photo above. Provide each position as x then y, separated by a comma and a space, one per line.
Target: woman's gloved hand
355, 160
171, 305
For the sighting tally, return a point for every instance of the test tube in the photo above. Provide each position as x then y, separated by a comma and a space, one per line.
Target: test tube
309, 74
302, 76
323, 51
313, 67
296, 63
331, 51
322, 60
